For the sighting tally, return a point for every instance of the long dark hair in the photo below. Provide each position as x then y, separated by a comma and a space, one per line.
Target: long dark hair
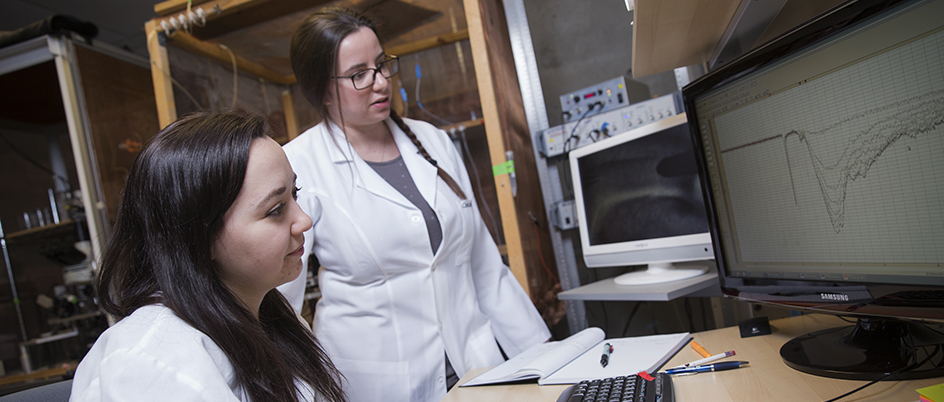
314, 58
171, 212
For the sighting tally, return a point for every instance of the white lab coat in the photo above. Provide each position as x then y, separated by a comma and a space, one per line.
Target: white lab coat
153, 355
389, 307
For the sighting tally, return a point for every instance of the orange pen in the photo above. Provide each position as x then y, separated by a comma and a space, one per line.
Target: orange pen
700, 350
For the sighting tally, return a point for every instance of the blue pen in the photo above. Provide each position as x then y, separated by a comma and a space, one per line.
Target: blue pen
708, 367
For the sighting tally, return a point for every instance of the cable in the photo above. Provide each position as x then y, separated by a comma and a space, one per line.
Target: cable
537, 237
187, 26
168, 29
687, 305
570, 137
265, 95
177, 84
630, 318
232, 56
572, 131
937, 349
34, 162
606, 319
478, 185
563, 171
406, 101
419, 77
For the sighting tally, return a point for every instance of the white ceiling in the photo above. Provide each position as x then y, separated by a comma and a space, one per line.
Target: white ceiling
120, 22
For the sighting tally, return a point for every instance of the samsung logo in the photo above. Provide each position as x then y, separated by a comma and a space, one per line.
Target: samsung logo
834, 297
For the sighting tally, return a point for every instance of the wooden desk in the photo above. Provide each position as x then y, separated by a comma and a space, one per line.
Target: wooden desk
768, 378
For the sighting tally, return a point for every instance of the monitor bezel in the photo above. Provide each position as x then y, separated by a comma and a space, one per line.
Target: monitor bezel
684, 248
833, 22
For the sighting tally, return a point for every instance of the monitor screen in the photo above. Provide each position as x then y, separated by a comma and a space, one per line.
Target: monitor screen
639, 202
822, 156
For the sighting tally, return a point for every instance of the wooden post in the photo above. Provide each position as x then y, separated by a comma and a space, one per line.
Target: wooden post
496, 144
291, 123
522, 214
160, 75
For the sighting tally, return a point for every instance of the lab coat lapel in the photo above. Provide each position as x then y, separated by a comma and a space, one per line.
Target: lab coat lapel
424, 173
364, 176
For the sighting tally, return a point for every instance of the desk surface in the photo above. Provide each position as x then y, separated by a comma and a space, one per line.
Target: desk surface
767, 379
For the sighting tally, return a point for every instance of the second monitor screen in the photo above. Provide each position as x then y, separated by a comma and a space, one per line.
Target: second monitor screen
646, 188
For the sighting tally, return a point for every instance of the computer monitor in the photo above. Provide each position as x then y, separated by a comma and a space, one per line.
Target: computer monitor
822, 157
639, 202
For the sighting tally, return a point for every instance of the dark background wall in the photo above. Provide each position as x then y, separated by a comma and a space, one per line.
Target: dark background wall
579, 44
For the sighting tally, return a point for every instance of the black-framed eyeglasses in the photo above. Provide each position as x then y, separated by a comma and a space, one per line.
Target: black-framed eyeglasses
365, 78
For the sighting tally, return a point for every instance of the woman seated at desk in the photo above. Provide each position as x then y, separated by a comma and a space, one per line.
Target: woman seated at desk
208, 227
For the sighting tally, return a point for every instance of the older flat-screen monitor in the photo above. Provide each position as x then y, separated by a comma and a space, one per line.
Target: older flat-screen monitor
639, 202
822, 156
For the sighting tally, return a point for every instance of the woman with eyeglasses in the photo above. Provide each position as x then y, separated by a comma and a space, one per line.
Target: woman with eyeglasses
414, 292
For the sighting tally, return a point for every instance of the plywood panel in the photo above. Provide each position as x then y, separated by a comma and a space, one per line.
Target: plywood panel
211, 86
305, 115
122, 115
676, 33
447, 87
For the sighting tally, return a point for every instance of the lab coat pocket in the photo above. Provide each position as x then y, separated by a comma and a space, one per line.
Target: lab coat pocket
482, 348
368, 380
465, 225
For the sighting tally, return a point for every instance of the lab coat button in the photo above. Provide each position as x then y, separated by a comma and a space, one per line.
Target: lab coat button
416, 218
441, 380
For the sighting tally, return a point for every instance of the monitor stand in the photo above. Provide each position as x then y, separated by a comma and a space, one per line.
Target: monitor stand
868, 351
659, 273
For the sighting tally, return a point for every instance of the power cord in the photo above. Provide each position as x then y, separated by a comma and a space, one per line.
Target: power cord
406, 100
537, 238
478, 184
177, 84
419, 77
232, 57
567, 142
937, 349
35, 162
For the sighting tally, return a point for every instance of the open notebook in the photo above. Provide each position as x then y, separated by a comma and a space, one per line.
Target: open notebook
577, 358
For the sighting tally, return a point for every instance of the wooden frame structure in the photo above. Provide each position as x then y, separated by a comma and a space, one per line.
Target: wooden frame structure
176, 9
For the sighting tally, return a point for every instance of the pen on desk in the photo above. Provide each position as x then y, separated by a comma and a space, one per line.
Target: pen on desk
716, 357
708, 367
605, 359
704, 353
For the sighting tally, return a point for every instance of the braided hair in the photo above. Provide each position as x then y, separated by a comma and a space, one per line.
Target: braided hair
314, 57
442, 173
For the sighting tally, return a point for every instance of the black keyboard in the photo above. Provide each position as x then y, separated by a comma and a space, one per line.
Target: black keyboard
631, 388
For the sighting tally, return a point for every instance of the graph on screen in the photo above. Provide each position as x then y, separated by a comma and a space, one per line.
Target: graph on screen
836, 167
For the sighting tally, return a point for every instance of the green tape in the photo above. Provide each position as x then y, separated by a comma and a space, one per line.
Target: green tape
16, 301
504, 168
